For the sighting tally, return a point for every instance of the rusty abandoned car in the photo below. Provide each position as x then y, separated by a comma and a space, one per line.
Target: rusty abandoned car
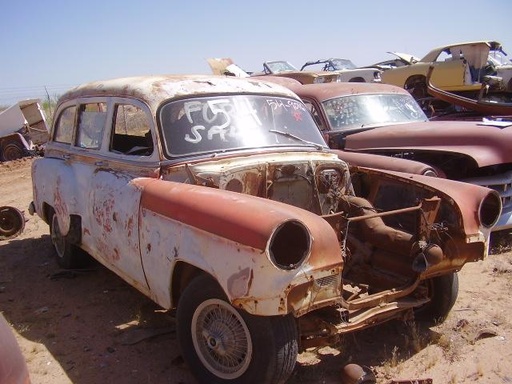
386, 120
218, 197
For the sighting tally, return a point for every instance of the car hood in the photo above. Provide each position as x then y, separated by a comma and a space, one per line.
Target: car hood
411, 59
486, 144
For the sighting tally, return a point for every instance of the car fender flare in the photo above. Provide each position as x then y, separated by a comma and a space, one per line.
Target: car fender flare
52, 188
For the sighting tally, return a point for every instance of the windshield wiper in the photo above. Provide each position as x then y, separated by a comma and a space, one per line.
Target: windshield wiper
292, 136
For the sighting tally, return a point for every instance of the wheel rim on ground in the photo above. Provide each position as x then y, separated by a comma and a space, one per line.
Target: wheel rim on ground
12, 222
221, 339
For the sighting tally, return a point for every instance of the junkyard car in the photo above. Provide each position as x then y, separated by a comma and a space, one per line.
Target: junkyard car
23, 130
218, 196
502, 66
459, 67
322, 74
345, 69
386, 120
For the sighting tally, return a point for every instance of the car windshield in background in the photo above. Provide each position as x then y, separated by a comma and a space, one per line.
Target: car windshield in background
276, 67
499, 58
359, 111
215, 124
339, 64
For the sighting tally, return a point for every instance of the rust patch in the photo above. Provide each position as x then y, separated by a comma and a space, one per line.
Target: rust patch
129, 226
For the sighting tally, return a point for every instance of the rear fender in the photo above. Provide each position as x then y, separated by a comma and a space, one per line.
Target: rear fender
53, 183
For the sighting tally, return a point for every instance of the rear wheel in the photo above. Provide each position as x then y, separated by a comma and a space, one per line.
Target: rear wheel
69, 255
224, 345
443, 292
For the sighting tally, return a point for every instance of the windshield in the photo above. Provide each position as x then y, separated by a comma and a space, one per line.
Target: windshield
339, 64
359, 111
278, 67
499, 58
223, 123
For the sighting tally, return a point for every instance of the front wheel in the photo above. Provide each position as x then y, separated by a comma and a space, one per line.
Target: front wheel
417, 87
224, 345
443, 292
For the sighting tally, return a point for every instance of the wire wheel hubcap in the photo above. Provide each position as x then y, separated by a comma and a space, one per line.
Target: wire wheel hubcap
221, 339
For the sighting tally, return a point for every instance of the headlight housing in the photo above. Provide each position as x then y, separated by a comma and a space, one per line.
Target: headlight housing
289, 245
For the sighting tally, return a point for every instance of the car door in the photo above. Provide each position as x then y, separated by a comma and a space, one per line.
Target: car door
124, 151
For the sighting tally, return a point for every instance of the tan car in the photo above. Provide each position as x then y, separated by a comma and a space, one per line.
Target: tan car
459, 67
218, 197
321, 71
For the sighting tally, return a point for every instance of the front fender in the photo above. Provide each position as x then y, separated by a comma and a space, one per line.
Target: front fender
228, 235
479, 208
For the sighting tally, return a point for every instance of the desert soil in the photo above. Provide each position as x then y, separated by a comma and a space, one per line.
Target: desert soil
90, 327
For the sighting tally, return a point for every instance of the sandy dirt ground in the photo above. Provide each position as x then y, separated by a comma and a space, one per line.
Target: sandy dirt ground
89, 327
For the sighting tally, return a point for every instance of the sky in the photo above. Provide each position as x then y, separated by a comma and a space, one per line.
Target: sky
50, 46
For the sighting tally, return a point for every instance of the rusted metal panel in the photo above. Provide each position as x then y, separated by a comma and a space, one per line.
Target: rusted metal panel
238, 224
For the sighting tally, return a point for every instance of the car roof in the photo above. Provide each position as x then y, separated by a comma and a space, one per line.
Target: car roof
326, 91
154, 89
432, 55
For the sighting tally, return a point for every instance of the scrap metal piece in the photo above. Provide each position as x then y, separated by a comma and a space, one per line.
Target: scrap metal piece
12, 222
357, 374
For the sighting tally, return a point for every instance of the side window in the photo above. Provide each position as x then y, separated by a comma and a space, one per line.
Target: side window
91, 123
132, 132
315, 114
64, 126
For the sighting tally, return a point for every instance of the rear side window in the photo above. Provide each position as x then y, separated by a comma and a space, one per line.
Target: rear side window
91, 124
132, 133
64, 126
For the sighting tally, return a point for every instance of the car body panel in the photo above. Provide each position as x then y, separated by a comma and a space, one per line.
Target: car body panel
400, 60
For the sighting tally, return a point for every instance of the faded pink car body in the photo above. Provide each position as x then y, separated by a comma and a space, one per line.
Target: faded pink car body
284, 228
13, 367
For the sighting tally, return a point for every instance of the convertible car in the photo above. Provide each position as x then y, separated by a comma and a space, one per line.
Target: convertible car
321, 71
218, 197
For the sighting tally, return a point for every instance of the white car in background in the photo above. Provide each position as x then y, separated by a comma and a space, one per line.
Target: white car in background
345, 69
502, 65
